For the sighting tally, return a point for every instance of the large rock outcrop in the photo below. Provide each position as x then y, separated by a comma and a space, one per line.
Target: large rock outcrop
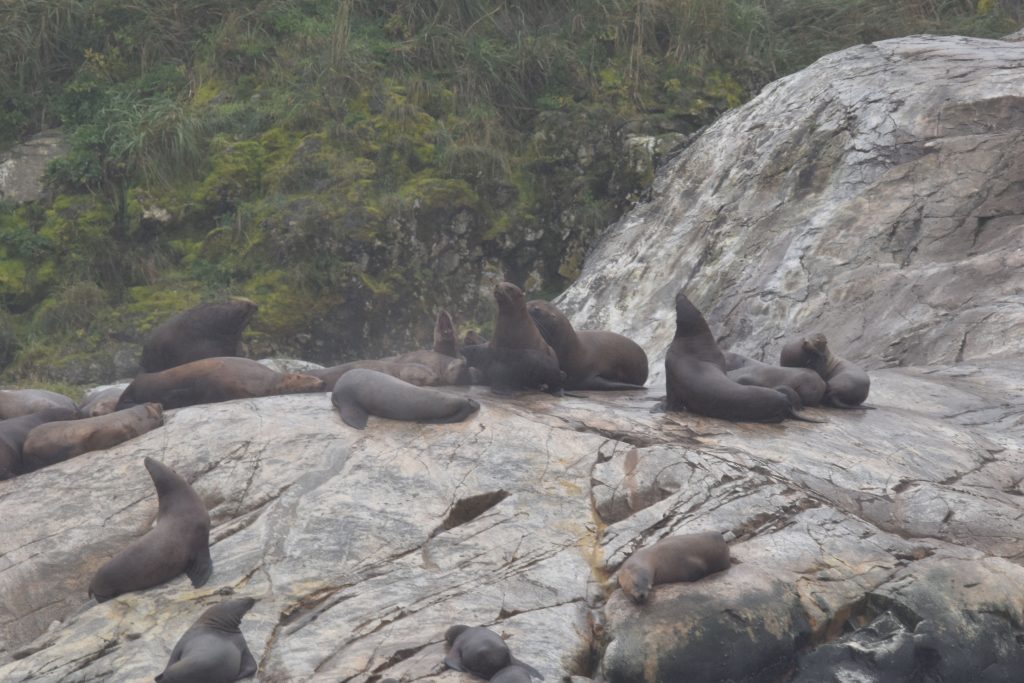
882, 545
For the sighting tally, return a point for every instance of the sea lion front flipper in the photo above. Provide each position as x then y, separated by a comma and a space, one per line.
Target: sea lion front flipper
200, 568
453, 661
249, 666
533, 672
353, 414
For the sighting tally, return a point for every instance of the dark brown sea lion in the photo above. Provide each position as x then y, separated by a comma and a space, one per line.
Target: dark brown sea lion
848, 384
180, 542
212, 380
361, 393
449, 369
18, 402
15, 430
686, 557
479, 651
445, 340
206, 331
101, 402
695, 377
59, 441
591, 359
473, 338
212, 650
804, 381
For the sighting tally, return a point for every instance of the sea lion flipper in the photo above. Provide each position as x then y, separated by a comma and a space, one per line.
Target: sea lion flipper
353, 414
598, 383
200, 568
453, 661
249, 666
533, 672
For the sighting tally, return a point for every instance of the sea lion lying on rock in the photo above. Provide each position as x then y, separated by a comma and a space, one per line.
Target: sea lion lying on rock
591, 359
18, 402
212, 650
804, 381
180, 542
208, 330
14, 432
480, 651
686, 557
361, 393
848, 384
212, 380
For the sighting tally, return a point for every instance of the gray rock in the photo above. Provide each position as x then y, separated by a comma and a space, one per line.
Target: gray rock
22, 167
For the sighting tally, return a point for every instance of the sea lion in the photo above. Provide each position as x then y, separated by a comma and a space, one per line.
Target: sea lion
473, 338
15, 430
102, 402
208, 330
59, 441
516, 673
212, 380
180, 542
695, 377
413, 373
686, 557
212, 650
445, 341
591, 359
361, 393
847, 383
18, 402
804, 381
479, 651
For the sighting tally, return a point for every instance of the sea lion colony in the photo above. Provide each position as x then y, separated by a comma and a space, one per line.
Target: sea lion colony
190, 360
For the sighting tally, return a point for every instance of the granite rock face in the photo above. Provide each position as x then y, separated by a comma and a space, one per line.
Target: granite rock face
885, 544
23, 166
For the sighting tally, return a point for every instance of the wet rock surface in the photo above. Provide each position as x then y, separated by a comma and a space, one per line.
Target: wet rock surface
884, 544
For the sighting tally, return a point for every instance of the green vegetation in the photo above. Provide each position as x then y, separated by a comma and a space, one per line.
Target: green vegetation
354, 165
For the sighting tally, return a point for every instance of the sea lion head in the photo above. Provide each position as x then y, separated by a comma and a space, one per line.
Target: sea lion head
509, 296
297, 383
636, 581
154, 411
453, 632
689, 321
552, 323
226, 616
444, 334
816, 344
473, 338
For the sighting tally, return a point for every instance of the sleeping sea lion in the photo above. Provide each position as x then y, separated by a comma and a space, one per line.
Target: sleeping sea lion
206, 331
591, 359
212, 380
180, 542
59, 441
14, 432
804, 381
479, 651
848, 384
686, 557
695, 377
18, 402
360, 393
102, 402
212, 650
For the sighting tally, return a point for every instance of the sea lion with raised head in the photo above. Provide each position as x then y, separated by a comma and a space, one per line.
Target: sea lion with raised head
208, 330
213, 649
59, 441
19, 402
591, 359
445, 340
848, 384
695, 377
479, 651
180, 542
360, 393
804, 381
14, 432
212, 380
686, 557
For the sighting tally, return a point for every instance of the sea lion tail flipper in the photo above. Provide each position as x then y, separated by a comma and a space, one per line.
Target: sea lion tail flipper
248, 666
352, 413
200, 568
533, 672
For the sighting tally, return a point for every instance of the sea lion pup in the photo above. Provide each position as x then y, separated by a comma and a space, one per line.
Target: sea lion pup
804, 381
212, 380
695, 377
101, 402
59, 441
686, 557
208, 330
848, 384
480, 651
14, 432
361, 393
18, 402
180, 542
212, 650
591, 359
